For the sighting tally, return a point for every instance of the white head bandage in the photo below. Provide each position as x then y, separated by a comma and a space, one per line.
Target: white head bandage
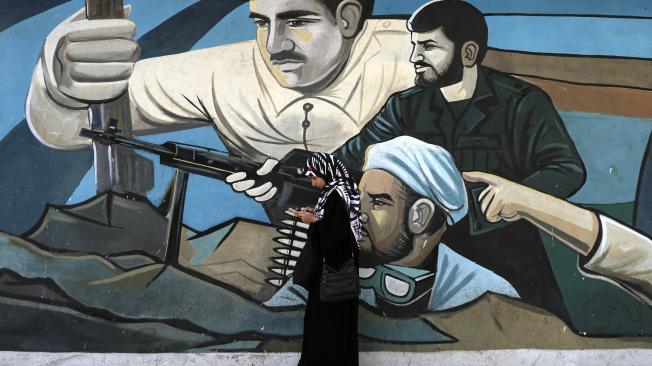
427, 169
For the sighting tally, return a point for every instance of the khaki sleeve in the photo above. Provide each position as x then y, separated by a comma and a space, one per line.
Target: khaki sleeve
166, 93
179, 91
625, 256
397, 49
389, 70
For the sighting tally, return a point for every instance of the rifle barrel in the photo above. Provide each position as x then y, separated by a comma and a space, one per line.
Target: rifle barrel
193, 159
108, 138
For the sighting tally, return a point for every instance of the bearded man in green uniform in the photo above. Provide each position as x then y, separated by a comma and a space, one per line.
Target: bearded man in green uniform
489, 122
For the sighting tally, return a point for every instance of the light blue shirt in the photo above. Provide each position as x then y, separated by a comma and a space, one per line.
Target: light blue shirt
458, 281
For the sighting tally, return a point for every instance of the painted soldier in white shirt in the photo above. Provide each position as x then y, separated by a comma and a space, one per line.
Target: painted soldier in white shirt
317, 71
607, 248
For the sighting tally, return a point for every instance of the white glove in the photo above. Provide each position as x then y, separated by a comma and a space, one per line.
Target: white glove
240, 182
89, 61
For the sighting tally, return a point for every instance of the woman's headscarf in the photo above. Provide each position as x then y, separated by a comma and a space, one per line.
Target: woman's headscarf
337, 178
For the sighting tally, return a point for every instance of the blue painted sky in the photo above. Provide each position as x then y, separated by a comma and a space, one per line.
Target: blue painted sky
600, 7
572, 35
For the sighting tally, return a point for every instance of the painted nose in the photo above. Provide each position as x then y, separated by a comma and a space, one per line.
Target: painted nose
416, 56
277, 40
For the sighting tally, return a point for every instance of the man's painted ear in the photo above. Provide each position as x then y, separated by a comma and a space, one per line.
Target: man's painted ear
420, 215
470, 51
348, 17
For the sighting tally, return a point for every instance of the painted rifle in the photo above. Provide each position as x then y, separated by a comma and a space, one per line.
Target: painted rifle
293, 188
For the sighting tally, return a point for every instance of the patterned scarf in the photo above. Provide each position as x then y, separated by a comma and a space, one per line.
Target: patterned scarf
337, 180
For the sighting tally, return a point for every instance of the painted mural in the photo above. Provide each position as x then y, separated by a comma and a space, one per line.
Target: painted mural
151, 155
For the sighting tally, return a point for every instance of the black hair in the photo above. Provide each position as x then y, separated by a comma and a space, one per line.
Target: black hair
367, 9
461, 21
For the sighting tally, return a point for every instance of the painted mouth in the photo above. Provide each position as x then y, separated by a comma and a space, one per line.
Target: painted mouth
287, 65
421, 67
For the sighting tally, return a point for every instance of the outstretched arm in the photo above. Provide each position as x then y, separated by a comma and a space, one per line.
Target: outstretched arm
505, 200
607, 247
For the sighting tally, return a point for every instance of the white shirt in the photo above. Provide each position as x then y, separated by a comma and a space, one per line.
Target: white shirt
254, 115
624, 255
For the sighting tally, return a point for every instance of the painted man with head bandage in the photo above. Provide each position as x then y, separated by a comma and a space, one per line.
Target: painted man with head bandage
410, 193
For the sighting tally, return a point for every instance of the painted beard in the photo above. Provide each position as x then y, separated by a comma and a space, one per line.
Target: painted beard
370, 257
431, 79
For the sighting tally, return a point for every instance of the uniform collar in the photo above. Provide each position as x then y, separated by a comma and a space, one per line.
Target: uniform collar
483, 89
365, 46
476, 112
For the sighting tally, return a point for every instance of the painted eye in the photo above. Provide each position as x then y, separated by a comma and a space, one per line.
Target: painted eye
429, 46
260, 23
296, 23
378, 204
396, 287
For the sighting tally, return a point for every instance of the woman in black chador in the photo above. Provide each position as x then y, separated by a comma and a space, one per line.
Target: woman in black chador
330, 329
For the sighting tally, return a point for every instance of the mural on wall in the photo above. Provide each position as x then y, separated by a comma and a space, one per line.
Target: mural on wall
152, 151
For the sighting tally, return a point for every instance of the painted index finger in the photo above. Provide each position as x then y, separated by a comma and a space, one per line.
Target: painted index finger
87, 30
480, 177
484, 193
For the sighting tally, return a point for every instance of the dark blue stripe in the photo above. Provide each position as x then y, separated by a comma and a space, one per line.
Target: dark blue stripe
182, 31
15, 11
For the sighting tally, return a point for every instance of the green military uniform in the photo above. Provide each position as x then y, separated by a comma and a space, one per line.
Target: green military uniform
509, 128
